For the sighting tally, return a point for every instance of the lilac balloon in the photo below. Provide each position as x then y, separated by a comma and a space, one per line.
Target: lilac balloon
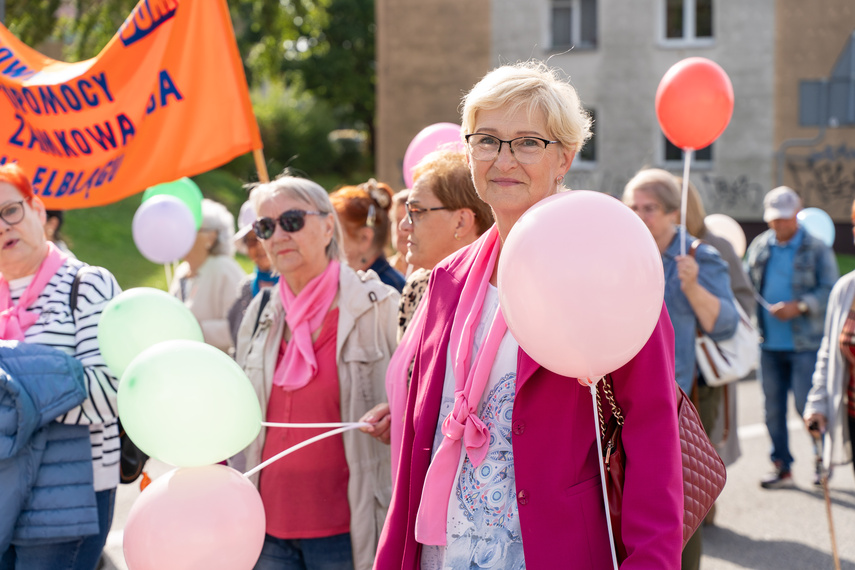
164, 229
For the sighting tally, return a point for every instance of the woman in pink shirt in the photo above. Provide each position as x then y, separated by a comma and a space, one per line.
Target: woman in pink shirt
316, 349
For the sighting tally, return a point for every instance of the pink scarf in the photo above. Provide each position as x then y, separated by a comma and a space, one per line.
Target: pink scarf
397, 376
304, 313
15, 319
463, 427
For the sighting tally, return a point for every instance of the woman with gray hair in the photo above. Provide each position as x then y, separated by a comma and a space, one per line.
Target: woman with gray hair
316, 347
206, 281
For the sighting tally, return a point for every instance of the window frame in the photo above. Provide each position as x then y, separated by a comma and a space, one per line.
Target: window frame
697, 163
689, 37
575, 26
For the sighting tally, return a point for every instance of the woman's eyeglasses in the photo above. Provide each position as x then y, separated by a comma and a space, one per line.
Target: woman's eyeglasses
414, 213
290, 221
527, 150
12, 213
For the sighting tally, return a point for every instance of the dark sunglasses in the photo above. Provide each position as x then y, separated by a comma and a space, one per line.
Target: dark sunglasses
290, 221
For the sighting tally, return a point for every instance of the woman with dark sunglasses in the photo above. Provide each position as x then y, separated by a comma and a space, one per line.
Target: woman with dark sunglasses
364, 214
316, 352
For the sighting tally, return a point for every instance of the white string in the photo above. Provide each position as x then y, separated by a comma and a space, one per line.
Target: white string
292, 449
685, 197
593, 387
167, 269
320, 425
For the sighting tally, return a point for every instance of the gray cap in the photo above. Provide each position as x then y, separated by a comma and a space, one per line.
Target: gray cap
782, 203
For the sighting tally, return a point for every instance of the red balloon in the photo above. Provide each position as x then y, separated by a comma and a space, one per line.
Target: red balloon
694, 102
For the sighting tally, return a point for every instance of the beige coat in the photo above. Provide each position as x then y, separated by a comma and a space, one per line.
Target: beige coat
365, 342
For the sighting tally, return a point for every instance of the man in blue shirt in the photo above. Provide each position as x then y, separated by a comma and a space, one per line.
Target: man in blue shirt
794, 272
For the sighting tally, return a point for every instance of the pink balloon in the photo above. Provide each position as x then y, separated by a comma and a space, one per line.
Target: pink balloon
435, 137
196, 518
163, 228
581, 283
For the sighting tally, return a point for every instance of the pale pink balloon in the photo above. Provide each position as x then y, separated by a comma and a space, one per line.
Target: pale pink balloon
439, 136
205, 518
581, 283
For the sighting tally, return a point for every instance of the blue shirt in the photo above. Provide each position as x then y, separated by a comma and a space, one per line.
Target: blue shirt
778, 287
388, 274
714, 277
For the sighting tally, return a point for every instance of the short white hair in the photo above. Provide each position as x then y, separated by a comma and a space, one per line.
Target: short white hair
216, 217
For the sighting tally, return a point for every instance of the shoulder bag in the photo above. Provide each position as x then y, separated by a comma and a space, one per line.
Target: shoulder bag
723, 362
704, 474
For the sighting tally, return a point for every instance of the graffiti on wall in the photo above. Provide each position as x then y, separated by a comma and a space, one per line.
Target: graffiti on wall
736, 196
825, 179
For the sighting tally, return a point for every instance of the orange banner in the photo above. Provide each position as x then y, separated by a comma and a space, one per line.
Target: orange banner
166, 98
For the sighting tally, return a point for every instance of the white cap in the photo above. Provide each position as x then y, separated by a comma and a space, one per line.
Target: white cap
245, 219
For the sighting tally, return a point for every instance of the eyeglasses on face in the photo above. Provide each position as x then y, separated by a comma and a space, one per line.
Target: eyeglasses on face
12, 213
415, 213
527, 150
290, 221
646, 209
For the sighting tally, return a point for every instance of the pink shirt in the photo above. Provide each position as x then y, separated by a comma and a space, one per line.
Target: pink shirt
305, 494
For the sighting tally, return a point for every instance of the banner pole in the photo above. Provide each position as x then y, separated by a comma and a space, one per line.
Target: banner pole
260, 165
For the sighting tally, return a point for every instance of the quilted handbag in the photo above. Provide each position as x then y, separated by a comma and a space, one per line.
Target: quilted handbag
722, 362
704, 474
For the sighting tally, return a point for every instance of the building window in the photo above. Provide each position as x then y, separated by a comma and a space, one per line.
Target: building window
674, 154
589, 151
574, 24
688, 20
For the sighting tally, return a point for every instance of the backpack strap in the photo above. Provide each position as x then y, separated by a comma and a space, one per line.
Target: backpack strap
75, 287
265, 297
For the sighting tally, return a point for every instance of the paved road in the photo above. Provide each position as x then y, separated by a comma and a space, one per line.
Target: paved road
755, 528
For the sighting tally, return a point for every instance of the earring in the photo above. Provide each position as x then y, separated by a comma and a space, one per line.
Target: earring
457, 237
560, 179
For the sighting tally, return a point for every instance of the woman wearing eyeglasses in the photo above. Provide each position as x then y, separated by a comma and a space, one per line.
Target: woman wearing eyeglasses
316, 353
443, 214
363, 212
697, 294
59, 464
498, 461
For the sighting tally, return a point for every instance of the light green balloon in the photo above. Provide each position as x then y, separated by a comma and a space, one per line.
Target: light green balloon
188, 404
139, 318
185, 190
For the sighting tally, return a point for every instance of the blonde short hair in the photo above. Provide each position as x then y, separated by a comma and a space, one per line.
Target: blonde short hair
534, 86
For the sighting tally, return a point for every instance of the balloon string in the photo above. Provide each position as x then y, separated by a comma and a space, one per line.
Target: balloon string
301, 445
593, 387
763, 302
320, 425
167, 269
687, 161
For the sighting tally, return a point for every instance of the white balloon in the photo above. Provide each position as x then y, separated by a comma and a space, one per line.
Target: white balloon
163, 229
729, 229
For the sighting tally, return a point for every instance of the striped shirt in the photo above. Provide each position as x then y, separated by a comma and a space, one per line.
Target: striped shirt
76, 335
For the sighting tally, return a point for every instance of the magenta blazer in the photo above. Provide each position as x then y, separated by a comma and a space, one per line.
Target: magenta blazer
558, 486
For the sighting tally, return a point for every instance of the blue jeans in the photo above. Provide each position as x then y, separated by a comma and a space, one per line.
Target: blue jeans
781, 371
80, 554
328, 553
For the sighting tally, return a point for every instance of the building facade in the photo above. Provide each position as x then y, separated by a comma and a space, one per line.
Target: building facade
615, 53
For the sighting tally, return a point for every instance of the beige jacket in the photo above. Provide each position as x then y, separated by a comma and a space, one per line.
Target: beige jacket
211, 294
365, 342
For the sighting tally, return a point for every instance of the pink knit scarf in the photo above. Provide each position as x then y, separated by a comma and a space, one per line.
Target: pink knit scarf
304, 313
14, 318
462, 427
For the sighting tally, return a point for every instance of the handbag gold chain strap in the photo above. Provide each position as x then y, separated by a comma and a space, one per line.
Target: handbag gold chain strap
607, 389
